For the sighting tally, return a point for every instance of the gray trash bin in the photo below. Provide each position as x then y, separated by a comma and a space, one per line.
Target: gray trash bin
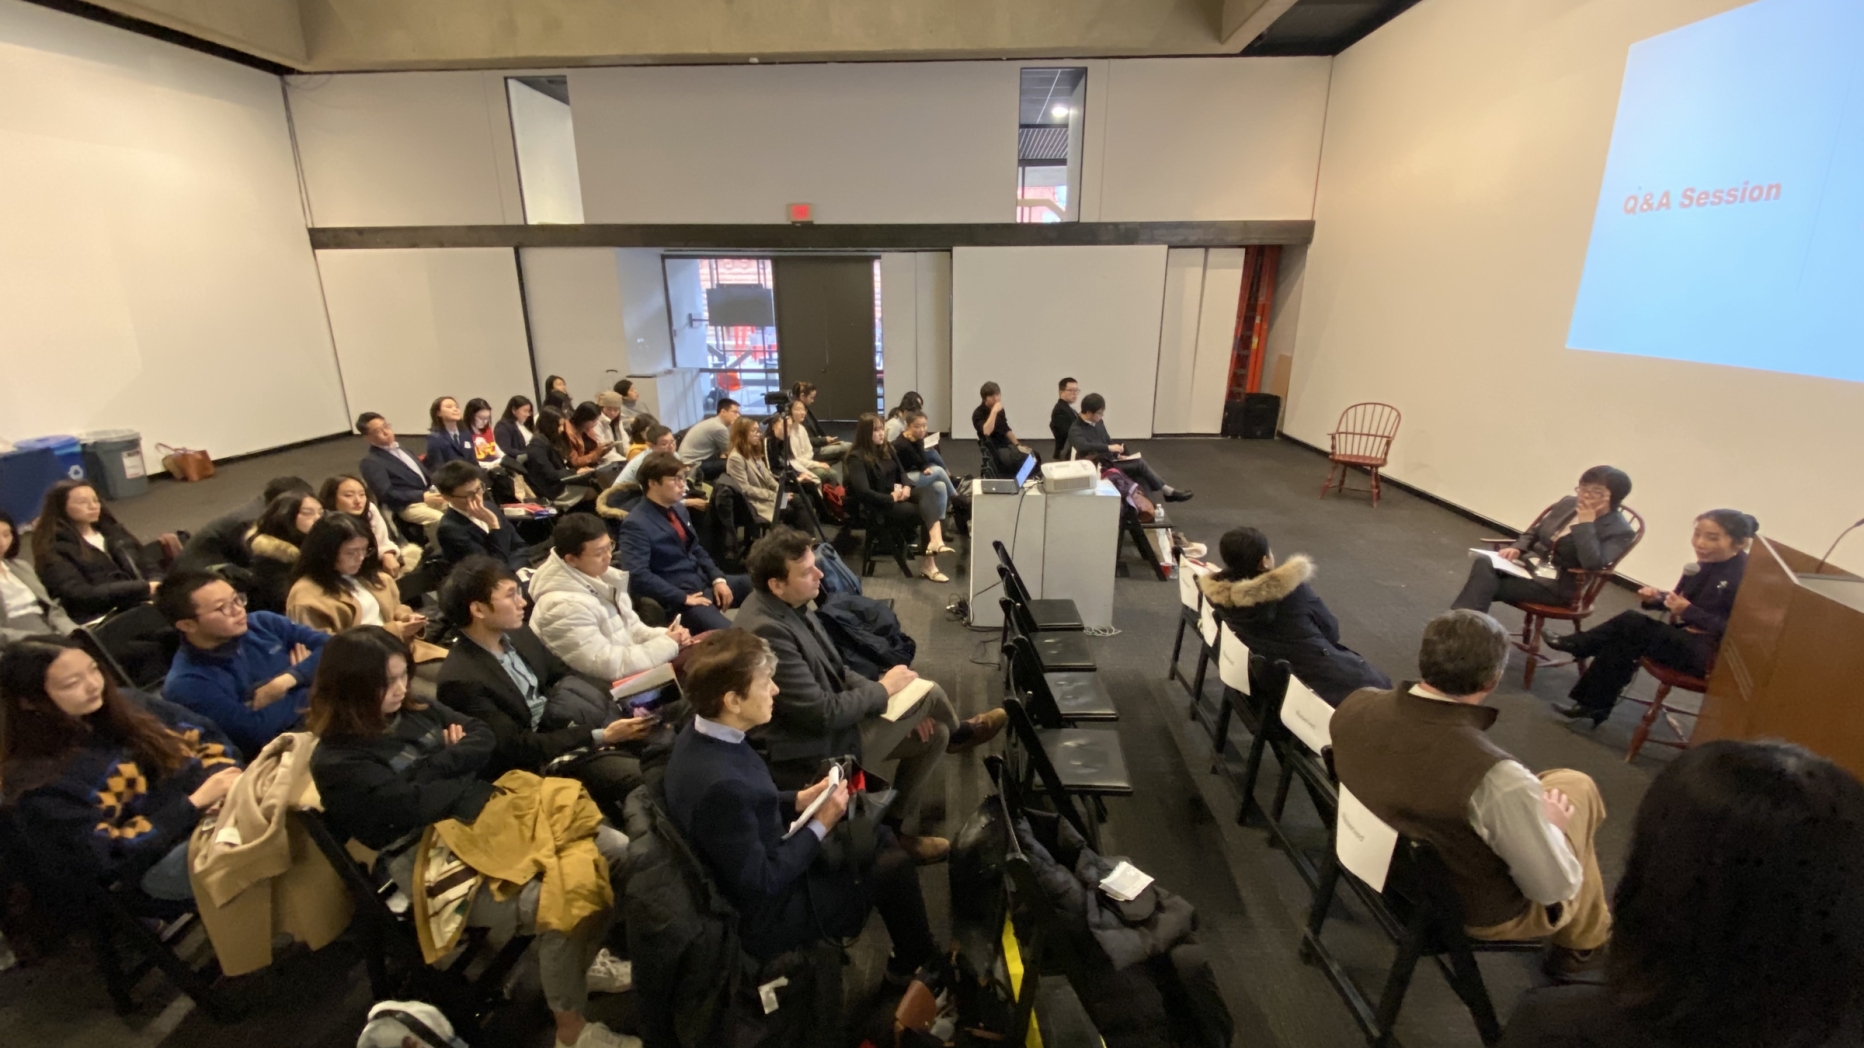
113, 458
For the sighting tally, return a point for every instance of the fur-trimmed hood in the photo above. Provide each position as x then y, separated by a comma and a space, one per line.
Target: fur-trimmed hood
273, 548
608, 503
1267, 588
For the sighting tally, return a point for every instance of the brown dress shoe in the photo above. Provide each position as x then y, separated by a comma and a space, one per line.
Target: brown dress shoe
977, 731
1566, 966
925, 851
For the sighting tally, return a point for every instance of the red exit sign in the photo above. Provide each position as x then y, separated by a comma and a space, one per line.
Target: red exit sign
802, 213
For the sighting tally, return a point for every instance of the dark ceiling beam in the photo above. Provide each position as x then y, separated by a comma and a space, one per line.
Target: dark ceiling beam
771, 237
157, 31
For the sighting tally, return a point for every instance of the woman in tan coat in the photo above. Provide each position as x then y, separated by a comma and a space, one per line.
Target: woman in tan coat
339, 583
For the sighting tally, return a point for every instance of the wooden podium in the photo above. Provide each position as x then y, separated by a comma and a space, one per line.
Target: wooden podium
1792, 662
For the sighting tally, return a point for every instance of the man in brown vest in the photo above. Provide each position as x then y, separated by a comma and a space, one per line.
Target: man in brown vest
1519, 847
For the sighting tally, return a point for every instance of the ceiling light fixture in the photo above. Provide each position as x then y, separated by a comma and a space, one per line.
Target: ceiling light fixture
1060, 112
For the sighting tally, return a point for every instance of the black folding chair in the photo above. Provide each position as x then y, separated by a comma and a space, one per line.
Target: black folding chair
1419, 909
109, 640
880, 538
1045, 615
1057, 652
1192, 616
1069, 763
1058, 699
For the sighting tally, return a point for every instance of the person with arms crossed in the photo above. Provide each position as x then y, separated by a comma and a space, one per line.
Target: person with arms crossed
249, 673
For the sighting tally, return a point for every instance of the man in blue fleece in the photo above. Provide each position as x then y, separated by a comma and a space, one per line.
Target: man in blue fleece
250, 673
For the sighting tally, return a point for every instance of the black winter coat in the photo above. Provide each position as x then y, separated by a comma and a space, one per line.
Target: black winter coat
1279, 616
381, 789
682, 931
90, 582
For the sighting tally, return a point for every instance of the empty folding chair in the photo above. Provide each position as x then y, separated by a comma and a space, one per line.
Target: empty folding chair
1407, 889
1061, 698
1068, 763
1049, 615
1055, 651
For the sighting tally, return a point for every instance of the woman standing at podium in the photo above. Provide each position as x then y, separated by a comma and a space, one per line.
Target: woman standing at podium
1688, 635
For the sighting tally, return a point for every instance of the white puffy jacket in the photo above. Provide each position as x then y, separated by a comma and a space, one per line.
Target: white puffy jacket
590, 623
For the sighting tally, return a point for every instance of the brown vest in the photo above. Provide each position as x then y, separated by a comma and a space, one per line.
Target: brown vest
1415, 762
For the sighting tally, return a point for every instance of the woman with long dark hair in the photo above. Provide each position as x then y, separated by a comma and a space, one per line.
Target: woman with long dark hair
1738, 921
878, 485
486, 450
346, 493
448, 438
339, 583
547, 464
557, 394
1685, 638
1277, 614
88, 562
274, 541
26, 609
585, 446
105, 783
387, 767
513, 431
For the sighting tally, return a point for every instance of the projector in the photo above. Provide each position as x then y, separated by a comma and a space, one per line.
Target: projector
1072, 475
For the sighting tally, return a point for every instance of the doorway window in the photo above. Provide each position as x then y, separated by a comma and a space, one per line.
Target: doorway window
740, 330
1048, 144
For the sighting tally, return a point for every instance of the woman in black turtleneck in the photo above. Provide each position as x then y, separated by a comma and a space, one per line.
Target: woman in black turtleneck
1685, 639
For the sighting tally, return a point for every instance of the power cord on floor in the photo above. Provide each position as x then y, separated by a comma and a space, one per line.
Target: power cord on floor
1100, 631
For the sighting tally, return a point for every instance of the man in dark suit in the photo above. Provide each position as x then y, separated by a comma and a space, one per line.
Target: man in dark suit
537, 707
471, 528
1061, 418
663, 558
1582, 530
397, 478
824, 709
721, 797
1090, 440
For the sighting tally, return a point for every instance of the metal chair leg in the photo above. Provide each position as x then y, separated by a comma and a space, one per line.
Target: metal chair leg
1532, 630
1410, 950
1466, 980
1250, 771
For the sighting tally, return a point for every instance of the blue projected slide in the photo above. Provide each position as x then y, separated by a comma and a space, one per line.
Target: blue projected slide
1730, 225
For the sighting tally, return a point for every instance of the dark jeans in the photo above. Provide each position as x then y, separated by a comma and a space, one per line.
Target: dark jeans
895, 886
711, 469
1010, 460
1616, 645
704, 618
1486, 586
1140, 472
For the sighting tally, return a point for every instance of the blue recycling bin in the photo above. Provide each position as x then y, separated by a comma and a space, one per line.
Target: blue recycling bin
69, 450
26, 474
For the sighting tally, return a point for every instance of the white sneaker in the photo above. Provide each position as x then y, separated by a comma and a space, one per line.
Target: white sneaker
610, 974
595, 1035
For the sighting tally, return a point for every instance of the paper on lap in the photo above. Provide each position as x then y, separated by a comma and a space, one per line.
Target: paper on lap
1501, 563
906, 698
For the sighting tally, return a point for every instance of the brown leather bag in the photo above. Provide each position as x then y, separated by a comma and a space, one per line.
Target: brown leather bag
186, 463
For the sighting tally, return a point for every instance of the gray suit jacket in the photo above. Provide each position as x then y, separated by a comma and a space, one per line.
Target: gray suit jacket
820, 702
1594, 545
55, 616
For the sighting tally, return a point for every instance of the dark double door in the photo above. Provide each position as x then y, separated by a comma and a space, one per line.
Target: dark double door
825, 330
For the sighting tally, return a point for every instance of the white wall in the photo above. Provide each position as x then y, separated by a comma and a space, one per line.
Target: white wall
1464, 149
154, 269
1184, 300
1196, 338
915, 319
545, 139
406, 149
1023, 317
1209, 138
902, 142
415, 324
573, 302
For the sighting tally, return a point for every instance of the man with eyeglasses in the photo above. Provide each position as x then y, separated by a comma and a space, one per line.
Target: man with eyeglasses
250, 672
469, 527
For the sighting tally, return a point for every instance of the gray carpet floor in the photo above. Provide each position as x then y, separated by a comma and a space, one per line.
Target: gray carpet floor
1383, 572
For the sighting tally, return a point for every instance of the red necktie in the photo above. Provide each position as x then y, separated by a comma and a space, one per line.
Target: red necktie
678, 529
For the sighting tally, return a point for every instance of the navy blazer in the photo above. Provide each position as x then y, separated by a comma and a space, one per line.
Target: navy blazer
444, 447
390, 479
510, 438
722, 799
658, 564
460, 537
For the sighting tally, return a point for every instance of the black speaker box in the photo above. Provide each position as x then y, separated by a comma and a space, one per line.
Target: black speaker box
1253, 417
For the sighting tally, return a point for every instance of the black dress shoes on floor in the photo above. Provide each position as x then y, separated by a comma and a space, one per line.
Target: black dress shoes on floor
1574, 711
1178, 495
1566, 643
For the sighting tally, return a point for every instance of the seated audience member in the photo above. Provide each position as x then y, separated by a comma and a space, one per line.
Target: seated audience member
104, 782
339, 583
1279, 616
249, 673
1519, 847
1063, 415
549, 471
638, 428
658, 438
720, 795
827, 448
749, 469
708, 442
992, 424
536, 705
1089, 440
910, 402
89, 563
1738, 919
663, 558
470, 527
610, 427
630, 403
486, 450
26, 609
878, 484
824, 709
387, 767
1686, 638
795, 449
1582, 530
583, 614
922, 464
513, 431
396, 478
222, 540
557, 395
447, 437
345, 493
583, 436
272, 545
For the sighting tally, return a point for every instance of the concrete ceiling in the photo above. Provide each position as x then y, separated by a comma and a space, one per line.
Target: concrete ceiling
351, 35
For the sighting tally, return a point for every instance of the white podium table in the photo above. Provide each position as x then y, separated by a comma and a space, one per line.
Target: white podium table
1064, 545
